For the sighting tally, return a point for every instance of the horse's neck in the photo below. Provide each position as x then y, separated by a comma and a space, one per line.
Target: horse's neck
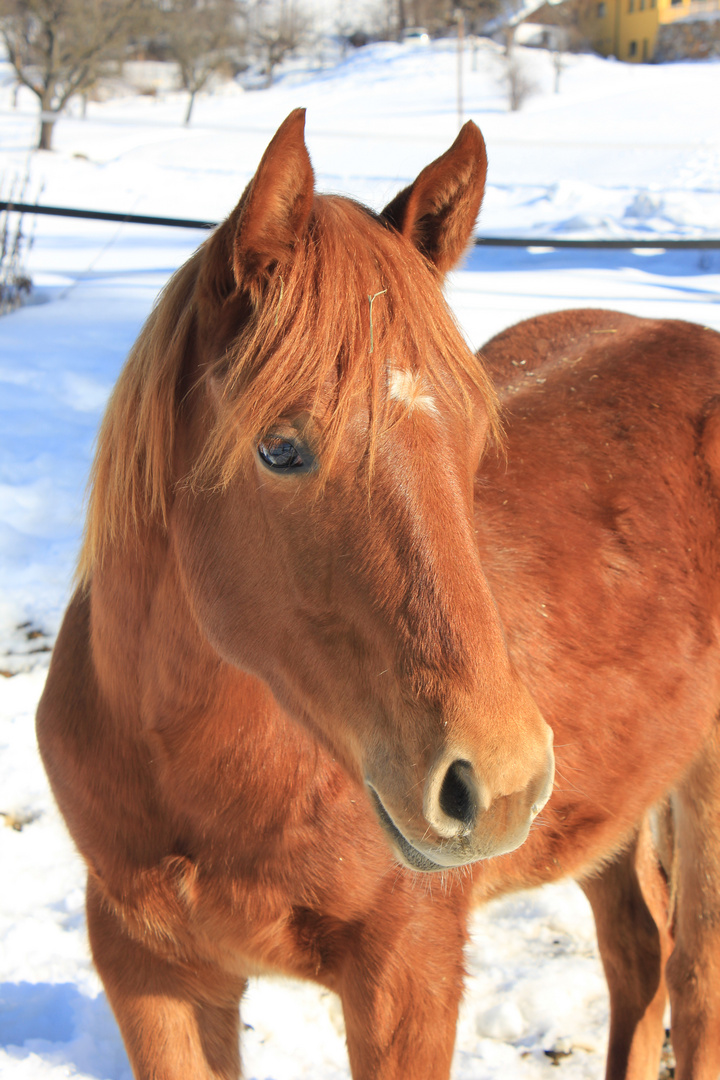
124, 596
149, 654
168, 688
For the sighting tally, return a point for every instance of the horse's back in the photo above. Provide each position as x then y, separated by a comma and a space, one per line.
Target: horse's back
604, 510
568, 337
605, 371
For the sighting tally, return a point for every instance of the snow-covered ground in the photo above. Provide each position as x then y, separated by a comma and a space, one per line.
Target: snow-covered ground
621, 151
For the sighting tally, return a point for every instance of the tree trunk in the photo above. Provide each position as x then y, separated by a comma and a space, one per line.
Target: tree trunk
46, 134
191, 102
401, 20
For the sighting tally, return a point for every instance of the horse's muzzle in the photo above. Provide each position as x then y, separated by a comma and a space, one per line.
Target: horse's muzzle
461, 823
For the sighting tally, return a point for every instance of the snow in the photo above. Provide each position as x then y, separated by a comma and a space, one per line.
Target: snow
621, 151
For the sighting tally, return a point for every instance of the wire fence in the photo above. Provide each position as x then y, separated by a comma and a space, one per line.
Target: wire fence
628, 243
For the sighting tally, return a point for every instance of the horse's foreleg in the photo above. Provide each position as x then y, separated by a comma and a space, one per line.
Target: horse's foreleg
693, 971
629, 902
178, 1020
400, 999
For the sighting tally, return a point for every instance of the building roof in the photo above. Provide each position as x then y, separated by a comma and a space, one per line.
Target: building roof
509, 17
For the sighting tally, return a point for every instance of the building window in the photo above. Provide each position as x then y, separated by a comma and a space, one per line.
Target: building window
601, 10
641, 5
645, 49
631, 6
632, 48
676, 3
653, 3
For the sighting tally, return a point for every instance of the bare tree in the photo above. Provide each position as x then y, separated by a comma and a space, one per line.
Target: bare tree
479, 12
558, 40
276, 30
380, 20
402, 22
59, 48
201, 36
343, 26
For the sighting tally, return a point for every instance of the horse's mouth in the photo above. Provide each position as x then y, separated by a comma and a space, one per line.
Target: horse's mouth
412, 858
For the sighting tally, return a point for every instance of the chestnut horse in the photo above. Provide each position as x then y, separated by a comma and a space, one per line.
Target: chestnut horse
326, 625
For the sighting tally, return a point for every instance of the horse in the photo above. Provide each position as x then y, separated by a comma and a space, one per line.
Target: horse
347, 596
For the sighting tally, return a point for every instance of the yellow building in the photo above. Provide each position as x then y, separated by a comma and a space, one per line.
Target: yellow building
628, 29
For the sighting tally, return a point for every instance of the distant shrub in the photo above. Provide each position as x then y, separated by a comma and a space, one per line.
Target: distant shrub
518, 83
15, 245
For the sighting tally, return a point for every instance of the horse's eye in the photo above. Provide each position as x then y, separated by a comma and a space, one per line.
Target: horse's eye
278, 453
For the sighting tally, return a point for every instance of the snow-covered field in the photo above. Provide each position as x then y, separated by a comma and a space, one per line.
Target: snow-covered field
621, 151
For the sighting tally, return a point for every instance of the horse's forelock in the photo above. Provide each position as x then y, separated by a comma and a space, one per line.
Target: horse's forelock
356, 302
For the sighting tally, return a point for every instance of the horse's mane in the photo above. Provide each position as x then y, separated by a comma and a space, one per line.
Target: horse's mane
313, 333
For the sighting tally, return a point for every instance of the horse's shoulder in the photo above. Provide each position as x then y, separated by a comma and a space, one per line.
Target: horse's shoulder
70, 678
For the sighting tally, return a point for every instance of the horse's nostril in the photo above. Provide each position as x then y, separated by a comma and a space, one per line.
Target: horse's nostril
458, 795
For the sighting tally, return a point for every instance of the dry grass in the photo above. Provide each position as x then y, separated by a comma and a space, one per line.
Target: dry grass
16, 241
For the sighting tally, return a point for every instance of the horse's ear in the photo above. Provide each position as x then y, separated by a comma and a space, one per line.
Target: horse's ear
270, 218
438, 212
277, 204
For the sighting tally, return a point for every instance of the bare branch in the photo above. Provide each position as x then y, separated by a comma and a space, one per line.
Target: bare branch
59, 48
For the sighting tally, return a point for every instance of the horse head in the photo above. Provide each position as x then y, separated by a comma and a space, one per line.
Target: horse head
328, 427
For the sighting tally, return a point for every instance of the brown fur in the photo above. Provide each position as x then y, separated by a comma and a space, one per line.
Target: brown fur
250, 649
